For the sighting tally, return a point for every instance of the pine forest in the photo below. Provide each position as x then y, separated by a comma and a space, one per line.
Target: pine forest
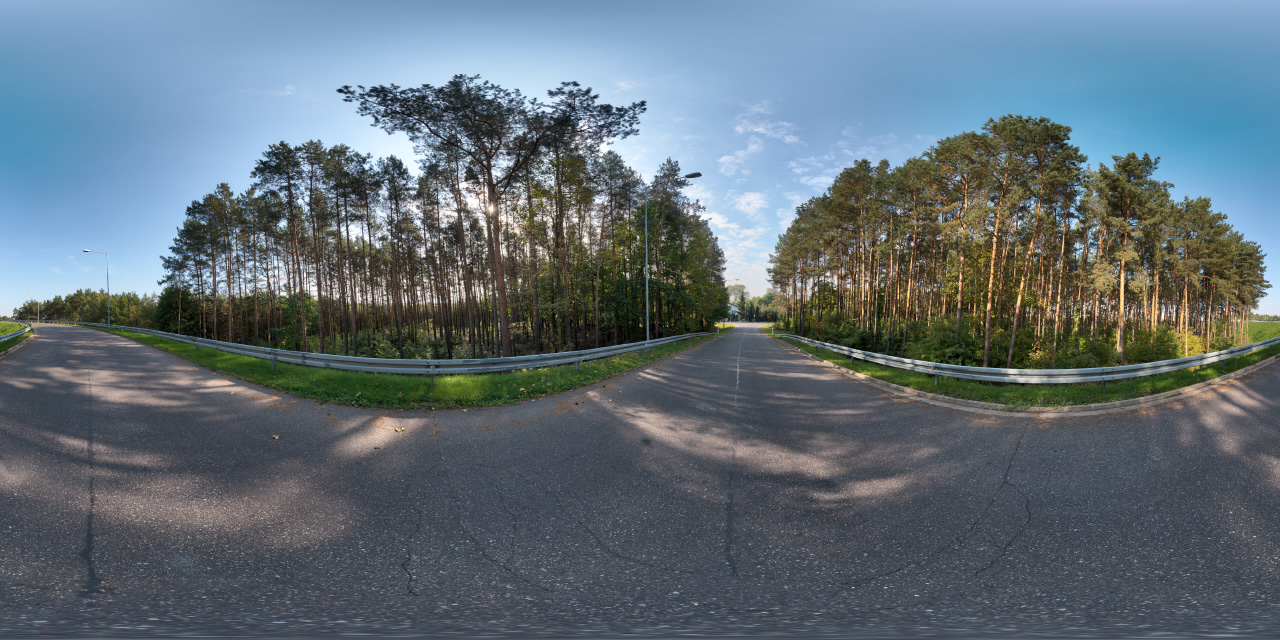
1004, 248
516, 233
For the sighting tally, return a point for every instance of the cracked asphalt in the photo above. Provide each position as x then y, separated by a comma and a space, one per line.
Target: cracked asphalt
735, 489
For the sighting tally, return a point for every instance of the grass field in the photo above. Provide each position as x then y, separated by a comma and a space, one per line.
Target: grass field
1259, 331
393, 391
1016, 395
10, 327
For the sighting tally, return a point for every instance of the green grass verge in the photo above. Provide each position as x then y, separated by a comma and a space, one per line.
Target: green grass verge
394, 391
10, 327
1259, 331
1018, 396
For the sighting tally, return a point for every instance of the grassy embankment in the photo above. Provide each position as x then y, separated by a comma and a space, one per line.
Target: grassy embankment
7, 328
1019, 396
1259, 331
393, 391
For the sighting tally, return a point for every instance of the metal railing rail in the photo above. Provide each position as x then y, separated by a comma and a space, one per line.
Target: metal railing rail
26, 327
407, 365
1039, 376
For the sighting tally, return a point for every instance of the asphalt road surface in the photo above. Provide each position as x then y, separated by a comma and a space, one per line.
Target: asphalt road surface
737, 488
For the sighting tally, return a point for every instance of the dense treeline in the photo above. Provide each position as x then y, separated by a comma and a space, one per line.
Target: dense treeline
763, 308
85, 305
516, 235
1003, 248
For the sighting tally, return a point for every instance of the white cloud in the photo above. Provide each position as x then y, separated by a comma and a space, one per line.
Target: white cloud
283, 92
819, 171
698, 192
739, 244
717, 220
787, 214
626, 85
56, 270
732, 164
821, 181
750, 203
888, 146
734, 235
752, 121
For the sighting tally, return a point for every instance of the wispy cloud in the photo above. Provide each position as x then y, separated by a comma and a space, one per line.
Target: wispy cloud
787, 214
739, 243
815, 171
732, 164
818, 171
754, 120
626, 85
282, 92
888, 146
699, 192
56, 270
751, 203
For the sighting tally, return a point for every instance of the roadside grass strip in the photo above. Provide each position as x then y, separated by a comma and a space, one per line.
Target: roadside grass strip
1040, 395
398, 391
1259, 331
7, 328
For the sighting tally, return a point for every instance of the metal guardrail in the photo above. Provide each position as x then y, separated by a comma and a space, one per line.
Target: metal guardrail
25, 328
1039, 376
405, 366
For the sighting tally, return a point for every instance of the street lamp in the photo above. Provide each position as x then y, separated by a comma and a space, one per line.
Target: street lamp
688, 176
104, 255
37, 308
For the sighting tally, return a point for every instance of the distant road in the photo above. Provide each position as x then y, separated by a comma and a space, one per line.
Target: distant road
735, 488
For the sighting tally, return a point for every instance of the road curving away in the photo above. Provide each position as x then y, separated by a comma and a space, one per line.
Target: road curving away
735, 488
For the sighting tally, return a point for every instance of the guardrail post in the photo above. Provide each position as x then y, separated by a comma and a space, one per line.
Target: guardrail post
273, 363
577, 366
432, 375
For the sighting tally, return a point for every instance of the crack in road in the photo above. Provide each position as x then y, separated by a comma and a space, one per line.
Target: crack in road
456, 501
413, 536
409, 553
733, 465
93, 582
604, 546
512, 520
960, 539
1026, 504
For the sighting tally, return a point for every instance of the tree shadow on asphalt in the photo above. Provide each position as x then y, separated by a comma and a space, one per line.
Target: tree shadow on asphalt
666, 480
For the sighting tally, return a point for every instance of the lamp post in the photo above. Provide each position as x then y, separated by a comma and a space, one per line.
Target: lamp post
108, 259
688, 176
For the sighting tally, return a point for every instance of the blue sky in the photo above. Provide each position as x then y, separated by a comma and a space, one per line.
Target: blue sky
116, 115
